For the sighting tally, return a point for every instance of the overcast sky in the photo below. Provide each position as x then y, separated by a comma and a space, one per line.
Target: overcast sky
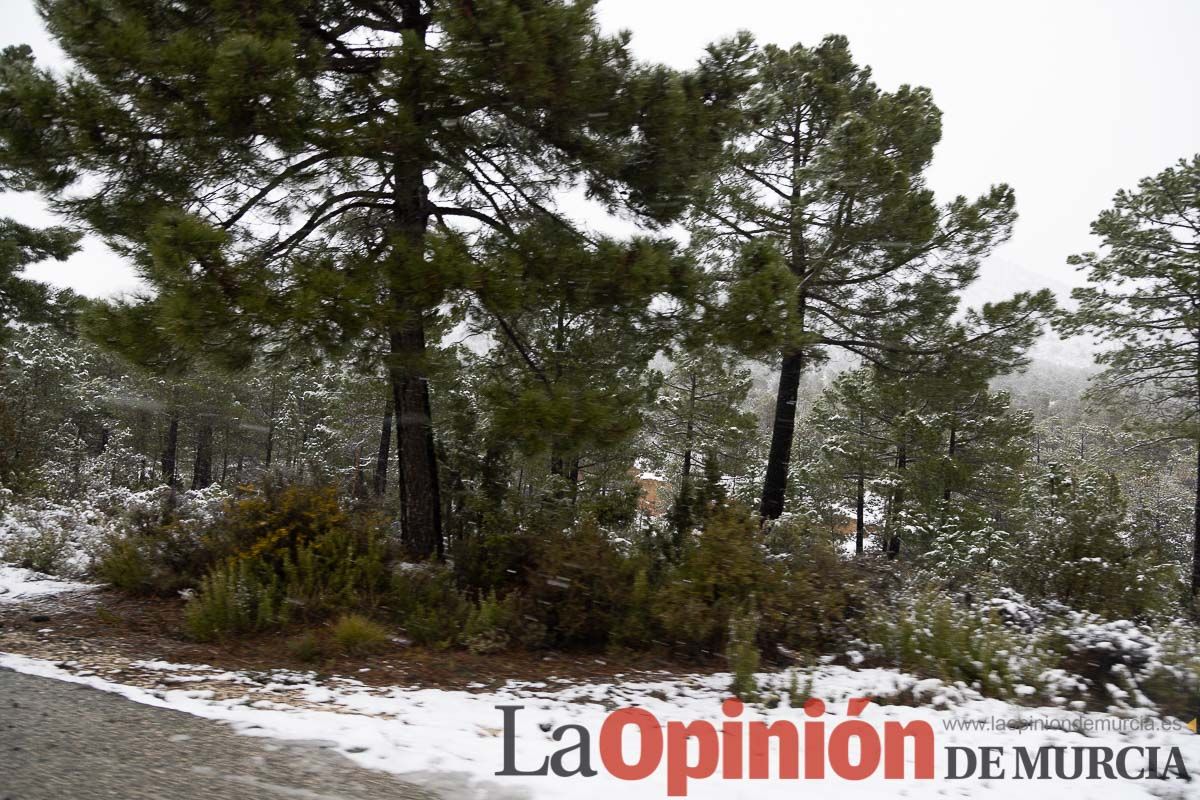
1067, 101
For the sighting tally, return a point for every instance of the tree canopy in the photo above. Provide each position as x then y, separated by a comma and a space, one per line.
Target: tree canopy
321, 170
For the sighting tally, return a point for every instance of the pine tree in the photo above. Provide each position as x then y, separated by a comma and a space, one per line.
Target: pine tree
822, 226
576, 325
923, 425
698, 414
1143, 299
853, 442
317, 170
23, 300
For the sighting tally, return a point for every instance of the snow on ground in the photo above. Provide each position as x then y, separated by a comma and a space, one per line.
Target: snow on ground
22, 584
455, 738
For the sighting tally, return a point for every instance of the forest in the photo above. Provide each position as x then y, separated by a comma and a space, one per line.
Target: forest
383, 379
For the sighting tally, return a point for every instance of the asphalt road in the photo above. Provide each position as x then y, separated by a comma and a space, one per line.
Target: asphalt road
64, 741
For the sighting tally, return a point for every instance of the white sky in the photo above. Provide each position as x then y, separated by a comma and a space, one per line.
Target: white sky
1067, 101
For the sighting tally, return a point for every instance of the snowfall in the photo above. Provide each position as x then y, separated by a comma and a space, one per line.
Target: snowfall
453, 741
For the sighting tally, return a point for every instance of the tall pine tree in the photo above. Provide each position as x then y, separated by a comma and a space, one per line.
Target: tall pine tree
1143, 299
821, 222
318, 168
697, 416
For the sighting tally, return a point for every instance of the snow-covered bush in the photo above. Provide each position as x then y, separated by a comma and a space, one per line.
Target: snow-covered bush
932, 634
1107, 644
158, 543
968, 556
1071, 540
1014, 610
1171, 678
1125, 664
45, 550
1007, 646
1078, 546
72, 537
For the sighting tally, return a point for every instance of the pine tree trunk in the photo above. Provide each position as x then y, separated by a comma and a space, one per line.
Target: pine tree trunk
558, 464
689, 431
859, 523
493, 480
782, 434
170, 474
1196, 531
358, 489
683, 512
783, 431
420, 495
897, 505
270, 443
951, 452
202, 467
385, 443
224, 453
420, 498
270, 429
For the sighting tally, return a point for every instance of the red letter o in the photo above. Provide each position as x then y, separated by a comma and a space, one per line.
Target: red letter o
868, 749
611, 752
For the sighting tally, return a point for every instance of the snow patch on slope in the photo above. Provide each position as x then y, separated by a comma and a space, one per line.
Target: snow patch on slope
18, 584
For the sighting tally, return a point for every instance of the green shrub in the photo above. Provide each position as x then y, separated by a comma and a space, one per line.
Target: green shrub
637, 629
355, 635
235, 599
123, 565
259, 592
308, 647
310, 560
526, 621
340, 569
426, 602
715, 577
277, 519
583, 588
816, 592
494, 561
742, 652
800, 686
487, 626
153, 558
578, 587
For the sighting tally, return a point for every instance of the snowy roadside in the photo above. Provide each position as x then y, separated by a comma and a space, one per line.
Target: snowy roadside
451, 739
458, 735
